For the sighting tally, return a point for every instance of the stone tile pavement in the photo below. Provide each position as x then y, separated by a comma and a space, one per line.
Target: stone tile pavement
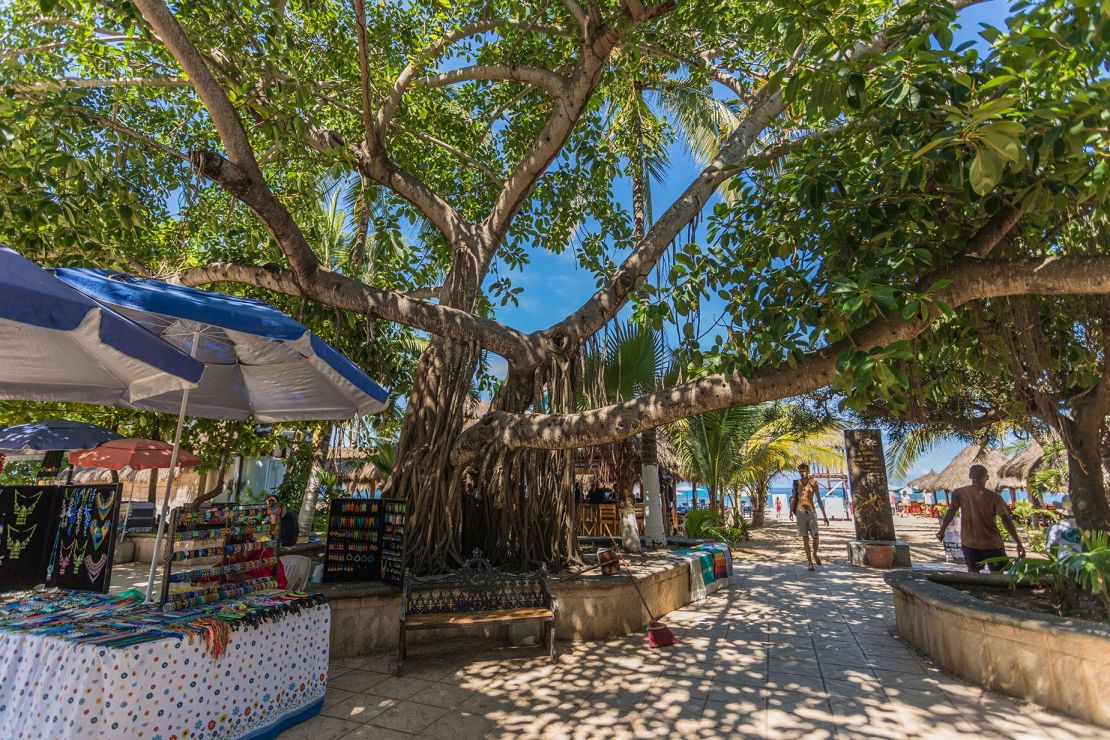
782, 654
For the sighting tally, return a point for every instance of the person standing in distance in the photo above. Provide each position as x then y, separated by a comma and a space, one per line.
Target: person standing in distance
806, 492
979, 536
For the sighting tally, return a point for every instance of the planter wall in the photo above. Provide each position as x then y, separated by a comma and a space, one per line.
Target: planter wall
1057, 663
364, 615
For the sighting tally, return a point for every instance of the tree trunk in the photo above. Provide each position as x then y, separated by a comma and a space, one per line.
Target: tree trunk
654, 533
1086, 484
759, 504
626, 475
312, 488
221, 471
152, 486
515, 505
654, 530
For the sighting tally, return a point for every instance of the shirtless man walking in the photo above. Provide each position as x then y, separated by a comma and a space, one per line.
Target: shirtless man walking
806, 492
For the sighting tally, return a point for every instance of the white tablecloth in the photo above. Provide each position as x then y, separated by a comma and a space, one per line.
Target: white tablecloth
269, 677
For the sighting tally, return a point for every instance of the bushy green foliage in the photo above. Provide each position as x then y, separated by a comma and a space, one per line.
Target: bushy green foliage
705, 524
1066, 571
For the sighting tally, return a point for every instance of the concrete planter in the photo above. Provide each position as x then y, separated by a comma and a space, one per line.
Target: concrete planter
125, 552
1058, 663
879, 556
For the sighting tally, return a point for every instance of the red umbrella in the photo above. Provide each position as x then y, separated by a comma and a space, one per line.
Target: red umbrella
137, 454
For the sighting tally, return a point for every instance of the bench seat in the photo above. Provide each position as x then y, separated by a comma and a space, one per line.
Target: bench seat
431, 621
477, 594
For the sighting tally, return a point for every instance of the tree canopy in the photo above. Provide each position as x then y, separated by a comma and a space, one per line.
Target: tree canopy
865, 182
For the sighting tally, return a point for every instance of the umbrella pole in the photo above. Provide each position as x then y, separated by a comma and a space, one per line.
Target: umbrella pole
154, 558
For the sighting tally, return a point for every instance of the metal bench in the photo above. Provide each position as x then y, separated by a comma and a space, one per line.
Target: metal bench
475, 595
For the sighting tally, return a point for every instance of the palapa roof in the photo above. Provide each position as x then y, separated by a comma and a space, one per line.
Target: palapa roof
1022, 466
955, 474
924, 481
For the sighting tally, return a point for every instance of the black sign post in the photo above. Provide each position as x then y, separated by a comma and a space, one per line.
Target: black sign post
867, 477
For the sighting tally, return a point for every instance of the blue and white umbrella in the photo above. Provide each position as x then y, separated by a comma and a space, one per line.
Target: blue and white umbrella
258, 362
55, 434
57, 344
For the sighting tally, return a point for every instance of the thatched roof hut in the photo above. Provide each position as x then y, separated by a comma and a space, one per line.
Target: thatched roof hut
923, 482
1020, 467
955, 474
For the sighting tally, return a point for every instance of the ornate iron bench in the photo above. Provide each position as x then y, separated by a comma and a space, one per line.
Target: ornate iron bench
476, 595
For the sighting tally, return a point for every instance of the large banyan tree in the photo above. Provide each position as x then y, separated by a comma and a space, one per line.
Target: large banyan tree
858, 170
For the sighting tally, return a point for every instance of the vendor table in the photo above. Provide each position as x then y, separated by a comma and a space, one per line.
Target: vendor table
270, 676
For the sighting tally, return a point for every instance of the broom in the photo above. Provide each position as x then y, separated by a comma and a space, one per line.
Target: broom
659, 635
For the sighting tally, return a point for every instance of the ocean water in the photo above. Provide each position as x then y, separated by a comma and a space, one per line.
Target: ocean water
687, 496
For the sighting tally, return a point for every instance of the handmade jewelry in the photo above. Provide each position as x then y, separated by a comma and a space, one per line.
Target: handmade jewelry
16, 547
98, 533
105, 509
22, 512
64, 558
94, 567
79, 555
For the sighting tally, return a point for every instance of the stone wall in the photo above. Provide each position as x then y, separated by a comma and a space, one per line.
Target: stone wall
364, 616
1059, 663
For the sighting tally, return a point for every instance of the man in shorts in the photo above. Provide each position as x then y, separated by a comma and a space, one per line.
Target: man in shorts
979, 536
807, 495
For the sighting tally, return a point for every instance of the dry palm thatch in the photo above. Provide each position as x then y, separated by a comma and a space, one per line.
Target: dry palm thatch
955, 475
923, 482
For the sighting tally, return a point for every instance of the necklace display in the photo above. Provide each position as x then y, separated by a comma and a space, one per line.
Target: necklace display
98, 533
65, 557
105, 509
16, 547
94, 567
23, 511
79, 555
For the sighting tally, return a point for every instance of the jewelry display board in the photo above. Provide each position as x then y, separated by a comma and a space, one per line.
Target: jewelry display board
28, 517
353, 551
393, 540
85, 539
239, 536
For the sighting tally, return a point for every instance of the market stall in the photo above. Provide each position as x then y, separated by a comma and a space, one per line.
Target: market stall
80, 665
227, 655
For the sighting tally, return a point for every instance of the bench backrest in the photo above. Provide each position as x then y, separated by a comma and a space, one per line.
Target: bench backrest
475, 587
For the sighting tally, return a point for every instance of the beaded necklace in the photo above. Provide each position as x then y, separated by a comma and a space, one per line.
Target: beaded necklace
16, 547
98, 533
105, 509
94, 567
22, 512
64, 558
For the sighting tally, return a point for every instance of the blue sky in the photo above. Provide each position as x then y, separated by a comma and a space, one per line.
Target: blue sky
554, 286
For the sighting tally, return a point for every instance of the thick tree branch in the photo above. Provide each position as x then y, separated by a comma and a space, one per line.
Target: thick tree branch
551, 82
70, 83
388, 109
988, 237
974, 280
337, 291
607, 301
245, 182
364, 73
576, 11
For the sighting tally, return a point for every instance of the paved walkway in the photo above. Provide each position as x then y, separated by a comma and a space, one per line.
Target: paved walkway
784, 653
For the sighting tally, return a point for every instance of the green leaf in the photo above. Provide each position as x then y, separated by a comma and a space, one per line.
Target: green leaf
985, 171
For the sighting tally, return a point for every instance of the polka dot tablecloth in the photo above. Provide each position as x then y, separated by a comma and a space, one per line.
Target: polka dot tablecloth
270, 676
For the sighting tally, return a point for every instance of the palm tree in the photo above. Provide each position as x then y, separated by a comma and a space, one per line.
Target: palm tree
736, 449
785, 439
711, 447
640, 134
631, 362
